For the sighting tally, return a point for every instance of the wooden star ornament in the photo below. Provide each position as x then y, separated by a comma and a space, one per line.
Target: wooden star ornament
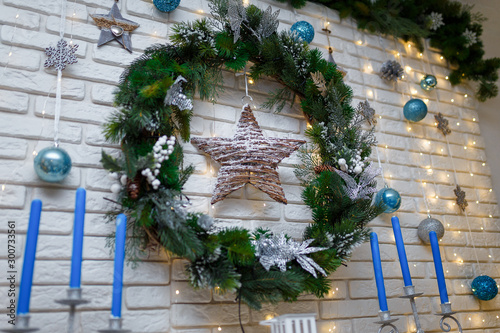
248, 158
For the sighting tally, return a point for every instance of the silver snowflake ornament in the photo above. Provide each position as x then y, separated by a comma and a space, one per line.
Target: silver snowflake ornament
363, 188
61, 55
470, 36
176, 97
436, 20
278, 250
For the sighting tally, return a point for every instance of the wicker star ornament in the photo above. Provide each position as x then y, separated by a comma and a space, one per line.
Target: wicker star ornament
248, 158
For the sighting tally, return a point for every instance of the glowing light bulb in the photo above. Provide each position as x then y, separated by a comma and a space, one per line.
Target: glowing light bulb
473, 119
177, 292
446, 78
219, 328
441, 57
466, 95
250, 81
453, 100
483, 164
359, 42
17, 16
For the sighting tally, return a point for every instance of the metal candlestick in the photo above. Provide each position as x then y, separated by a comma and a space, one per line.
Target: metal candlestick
446, 313
411, 295
22, 325
115, 326
386, 321
74, 298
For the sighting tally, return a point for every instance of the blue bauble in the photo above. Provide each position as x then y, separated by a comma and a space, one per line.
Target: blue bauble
303, 30
415, 110
52, 164
166, 5
484, 288
389, 199
429, 82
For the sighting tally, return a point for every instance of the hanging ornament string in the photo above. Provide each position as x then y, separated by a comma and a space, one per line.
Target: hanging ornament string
57, 111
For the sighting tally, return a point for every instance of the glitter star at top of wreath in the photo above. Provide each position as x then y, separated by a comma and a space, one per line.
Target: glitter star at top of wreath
114, 26
461, 201
248, 158
470, 36
61, 55
442, 124
435, 20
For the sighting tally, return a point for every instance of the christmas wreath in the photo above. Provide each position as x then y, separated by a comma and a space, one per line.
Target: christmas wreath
153, 115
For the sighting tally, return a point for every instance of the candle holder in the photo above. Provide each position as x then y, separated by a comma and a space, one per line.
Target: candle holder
411, 295
74, 299
386, 321
22, 325
115, 326
447, 313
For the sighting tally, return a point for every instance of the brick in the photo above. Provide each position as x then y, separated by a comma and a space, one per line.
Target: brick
152, 297
15, 102
147, 273
211, 314
248, 209
20, 18
183, 292
53, 223
298, 213
12, 196
19, 58
12, 148
22, 172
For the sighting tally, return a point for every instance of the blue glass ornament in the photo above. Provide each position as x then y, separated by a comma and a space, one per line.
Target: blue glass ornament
389, 199
303, 30
484, 288
415, 110
52, 164
166, 5
429, 82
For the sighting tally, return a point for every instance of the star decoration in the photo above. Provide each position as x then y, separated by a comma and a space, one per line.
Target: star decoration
278, 250
435, 20
61, 55
470, 36
248, 158
442, 124
114, 26
364, 187
461, 201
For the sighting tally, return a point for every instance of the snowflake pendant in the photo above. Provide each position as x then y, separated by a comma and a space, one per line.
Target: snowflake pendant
61, 55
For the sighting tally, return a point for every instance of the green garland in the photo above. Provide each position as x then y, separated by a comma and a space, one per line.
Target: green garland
411, 21
231, 259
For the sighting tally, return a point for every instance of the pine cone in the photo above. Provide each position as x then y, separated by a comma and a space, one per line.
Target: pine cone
391, 70
320, 168
133, 187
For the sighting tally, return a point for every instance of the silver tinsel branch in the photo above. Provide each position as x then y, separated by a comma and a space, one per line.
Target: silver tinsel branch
367, 111
278, 250
436, 20
176, 97
391, 70
363, 188
237, 17
61, 55
268, 24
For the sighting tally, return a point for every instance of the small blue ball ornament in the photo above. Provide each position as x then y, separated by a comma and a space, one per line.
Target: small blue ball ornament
389, 199
303, 30
52, 164
484, 288
166, 5
429, 82
415, 110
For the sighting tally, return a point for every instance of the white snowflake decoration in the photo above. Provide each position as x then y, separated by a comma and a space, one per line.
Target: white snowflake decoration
436, 20
471, 37
61, 55
361, 189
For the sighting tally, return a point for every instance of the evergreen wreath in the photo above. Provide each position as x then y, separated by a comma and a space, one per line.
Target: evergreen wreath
449, 25
257, 265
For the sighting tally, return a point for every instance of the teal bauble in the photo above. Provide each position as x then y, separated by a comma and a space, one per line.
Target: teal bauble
415, 110
52, 164
484, 288
429, 82
389, 199
166, 6
303, 30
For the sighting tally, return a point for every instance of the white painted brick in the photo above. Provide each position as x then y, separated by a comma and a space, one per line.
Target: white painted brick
26, 19
13, 196
183, 292
184, 315
142, 297
11, 148
19, 58
229, 208
16, 102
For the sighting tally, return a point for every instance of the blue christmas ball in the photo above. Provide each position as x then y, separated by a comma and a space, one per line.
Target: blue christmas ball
303, 30
389, 199
166, 5
484, 288
52, 164
429, 82
415, 110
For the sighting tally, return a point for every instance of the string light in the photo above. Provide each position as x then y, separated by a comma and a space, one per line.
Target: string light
177, 292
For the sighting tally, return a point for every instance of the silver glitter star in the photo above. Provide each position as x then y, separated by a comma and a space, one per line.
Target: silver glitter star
278, 250
61, 55
237, 15
268, 24
176, 97
436, 20
470, 36
442, 124
363, 188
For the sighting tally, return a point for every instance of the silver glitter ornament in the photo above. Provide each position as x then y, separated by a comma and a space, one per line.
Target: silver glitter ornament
237, 14
278, 250
367, 111
61, 55
435, 20
176, 97
391, 70
364, 187
428, 225
470, 36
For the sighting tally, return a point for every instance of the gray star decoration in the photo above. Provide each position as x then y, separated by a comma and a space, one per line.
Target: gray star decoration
361, 189
278, 250
61, 55
114, 26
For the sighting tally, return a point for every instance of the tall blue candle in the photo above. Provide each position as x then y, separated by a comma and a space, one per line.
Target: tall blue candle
403, 261
76, 258
121, 230
23, 306
438, 266
377, 268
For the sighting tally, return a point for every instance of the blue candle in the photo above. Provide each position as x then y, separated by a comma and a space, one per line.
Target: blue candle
121, 230
401, 251
438, 265
76, 258
377, 268
23, 306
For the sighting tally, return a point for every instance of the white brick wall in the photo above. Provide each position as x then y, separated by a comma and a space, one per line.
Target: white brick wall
157, 297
